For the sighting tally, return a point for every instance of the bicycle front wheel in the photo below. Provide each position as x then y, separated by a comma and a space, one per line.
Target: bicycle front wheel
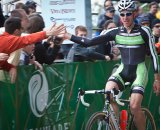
98, 122
150, 123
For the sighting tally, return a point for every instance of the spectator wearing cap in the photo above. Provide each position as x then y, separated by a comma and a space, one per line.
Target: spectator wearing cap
156, 29
116, 18
153, 9
143, 20
31, 6
108, 15
156, 32
107, 3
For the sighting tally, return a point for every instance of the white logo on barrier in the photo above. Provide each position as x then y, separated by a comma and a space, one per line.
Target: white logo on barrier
38, 93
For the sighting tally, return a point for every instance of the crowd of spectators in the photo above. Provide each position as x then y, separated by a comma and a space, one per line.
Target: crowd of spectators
47, 51
78, 53
142, 17
17, 43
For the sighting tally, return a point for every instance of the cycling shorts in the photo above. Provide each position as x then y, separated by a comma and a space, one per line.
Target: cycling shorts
137, 75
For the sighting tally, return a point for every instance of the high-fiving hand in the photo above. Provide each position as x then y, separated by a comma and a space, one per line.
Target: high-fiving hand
56, 30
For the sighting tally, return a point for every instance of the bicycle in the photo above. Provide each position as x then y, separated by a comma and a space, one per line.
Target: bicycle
107, 120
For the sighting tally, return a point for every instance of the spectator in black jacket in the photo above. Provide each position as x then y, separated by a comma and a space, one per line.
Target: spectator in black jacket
2, 19
108, 15
45, 52
78, 53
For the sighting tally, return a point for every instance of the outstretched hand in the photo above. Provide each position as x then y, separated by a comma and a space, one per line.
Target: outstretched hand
56, 30
65, 35
59, 31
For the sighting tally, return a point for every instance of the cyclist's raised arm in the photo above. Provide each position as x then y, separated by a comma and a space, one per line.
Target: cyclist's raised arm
102, 39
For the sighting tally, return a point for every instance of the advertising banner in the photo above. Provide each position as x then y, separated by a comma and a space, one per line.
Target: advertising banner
70, 12
47, 100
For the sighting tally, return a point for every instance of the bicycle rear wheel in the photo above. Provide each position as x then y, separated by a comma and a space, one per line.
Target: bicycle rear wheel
98, 122
150, 123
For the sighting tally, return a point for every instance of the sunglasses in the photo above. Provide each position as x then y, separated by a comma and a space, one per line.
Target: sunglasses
125, 14
83, 35
157, 26
112, 11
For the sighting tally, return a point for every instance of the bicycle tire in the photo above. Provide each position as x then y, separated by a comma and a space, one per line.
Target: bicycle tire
150, 123
97, 120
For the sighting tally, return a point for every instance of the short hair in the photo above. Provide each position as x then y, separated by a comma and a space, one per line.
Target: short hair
21, 5
17, 13
80, 28
36, 23
153, 3
11, 24
106, 24
105, 3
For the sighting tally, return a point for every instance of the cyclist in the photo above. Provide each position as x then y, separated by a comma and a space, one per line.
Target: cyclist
134, 42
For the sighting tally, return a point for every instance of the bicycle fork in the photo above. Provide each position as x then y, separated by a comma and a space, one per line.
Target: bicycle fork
114, 118
110, 115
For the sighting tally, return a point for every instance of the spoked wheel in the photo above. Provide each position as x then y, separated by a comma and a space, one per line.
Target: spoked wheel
150, 124
98, 122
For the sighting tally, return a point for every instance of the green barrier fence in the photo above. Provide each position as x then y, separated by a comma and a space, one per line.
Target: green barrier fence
48, 100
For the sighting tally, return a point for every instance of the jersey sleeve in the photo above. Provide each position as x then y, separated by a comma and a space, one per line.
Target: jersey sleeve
16, 42
102, 39
149, 38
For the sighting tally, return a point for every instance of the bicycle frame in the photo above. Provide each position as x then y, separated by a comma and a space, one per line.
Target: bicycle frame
108, 109
112, 112
107, 118
114, 118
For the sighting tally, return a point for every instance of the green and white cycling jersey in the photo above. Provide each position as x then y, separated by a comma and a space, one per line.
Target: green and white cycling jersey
134, 47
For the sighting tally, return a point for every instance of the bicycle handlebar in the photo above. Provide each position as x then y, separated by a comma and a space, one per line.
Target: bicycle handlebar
118, 101
82, 93
83, 102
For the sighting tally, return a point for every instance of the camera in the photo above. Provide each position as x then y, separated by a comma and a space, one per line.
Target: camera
57, 40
